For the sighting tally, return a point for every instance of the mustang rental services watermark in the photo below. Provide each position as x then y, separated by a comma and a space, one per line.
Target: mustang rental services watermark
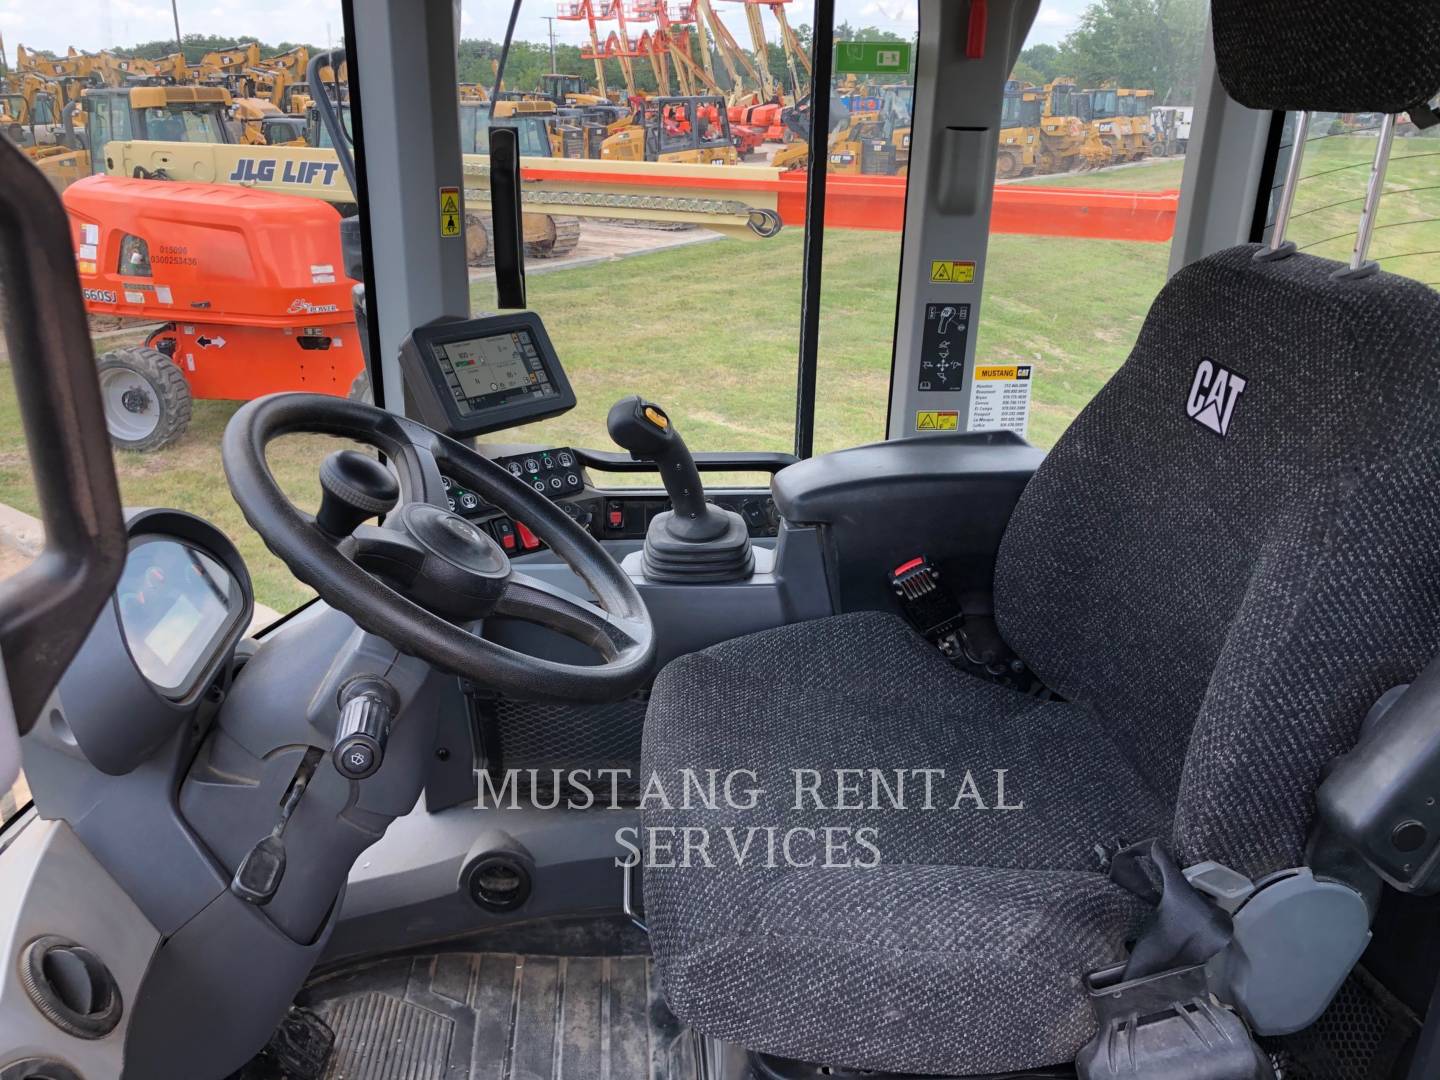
799, 815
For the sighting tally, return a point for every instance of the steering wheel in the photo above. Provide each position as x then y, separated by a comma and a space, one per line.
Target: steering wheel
424, 577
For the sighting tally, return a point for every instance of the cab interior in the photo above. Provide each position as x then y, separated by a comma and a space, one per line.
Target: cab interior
943, 755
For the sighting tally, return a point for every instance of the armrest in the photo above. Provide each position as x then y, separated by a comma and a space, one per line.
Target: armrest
948, 497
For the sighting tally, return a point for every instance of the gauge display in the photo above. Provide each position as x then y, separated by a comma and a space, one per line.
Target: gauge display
484, 372
174, 602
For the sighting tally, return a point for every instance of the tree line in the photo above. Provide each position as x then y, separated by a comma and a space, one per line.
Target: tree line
1145, 44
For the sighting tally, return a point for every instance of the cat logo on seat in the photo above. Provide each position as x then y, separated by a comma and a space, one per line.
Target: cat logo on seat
1213, 395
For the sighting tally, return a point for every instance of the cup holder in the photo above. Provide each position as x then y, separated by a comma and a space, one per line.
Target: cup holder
71, 987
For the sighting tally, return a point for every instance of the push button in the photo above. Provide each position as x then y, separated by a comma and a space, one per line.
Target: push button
656, 417
505, 533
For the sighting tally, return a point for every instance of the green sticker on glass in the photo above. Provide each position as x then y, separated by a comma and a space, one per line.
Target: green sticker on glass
872, 57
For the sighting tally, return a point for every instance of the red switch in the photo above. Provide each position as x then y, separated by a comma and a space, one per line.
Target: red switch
504, 533
528, 540
615, 515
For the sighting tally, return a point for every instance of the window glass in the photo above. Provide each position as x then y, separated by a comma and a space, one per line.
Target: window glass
869, 158
1114, 83
1339, 152
180, 316
700, 315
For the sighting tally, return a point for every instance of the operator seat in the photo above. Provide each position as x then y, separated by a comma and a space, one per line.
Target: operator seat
1218, 583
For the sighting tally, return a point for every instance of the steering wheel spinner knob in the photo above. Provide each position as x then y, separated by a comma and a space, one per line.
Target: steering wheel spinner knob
354, 486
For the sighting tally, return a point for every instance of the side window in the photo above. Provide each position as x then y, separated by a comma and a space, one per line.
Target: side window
1064, 296
1339, 151
97, 120
122, 124
675, 127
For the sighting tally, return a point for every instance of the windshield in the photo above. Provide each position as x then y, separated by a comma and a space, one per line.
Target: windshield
475, 124
1010, 111
184, 123
1102, 103
685, 286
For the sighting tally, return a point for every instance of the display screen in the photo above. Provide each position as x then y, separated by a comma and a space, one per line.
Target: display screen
482, 373
174, 601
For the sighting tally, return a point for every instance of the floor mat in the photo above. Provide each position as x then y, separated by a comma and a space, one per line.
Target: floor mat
502, 1016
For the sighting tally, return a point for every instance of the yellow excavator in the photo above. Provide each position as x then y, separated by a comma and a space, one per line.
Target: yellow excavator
30, 109
547, 236
263, 123
691, 130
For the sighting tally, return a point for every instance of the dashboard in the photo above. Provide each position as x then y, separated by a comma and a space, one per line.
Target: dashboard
607, 514
469, 377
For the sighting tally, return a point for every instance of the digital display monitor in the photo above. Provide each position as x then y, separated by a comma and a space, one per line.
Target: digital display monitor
486, 372
174, 602
468, 377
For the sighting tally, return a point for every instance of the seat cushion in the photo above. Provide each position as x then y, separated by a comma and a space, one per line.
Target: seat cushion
963, 950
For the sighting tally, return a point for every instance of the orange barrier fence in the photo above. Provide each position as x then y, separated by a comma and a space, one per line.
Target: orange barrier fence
878, 202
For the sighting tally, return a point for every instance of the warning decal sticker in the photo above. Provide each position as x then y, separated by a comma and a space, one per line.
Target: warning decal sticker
1000, 398
932, 420
942, 347
951, 272
449, 211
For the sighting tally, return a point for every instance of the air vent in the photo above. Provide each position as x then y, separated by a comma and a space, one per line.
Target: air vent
71, 987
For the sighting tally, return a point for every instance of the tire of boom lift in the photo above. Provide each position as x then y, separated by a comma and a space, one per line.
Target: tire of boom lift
167, 388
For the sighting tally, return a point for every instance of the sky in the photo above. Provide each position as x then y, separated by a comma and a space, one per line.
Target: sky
90, 25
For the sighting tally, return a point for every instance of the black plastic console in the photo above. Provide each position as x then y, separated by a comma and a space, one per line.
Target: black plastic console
948, 497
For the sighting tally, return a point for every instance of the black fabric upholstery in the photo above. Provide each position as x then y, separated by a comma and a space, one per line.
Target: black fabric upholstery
1229, 607
1328, 55
1219, 612
952, 968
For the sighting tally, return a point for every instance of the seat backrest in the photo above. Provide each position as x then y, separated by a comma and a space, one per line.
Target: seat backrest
1235, 549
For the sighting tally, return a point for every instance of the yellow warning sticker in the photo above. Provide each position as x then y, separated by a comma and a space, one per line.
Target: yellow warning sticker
932, 420
449, 211
1001, 373
951, 272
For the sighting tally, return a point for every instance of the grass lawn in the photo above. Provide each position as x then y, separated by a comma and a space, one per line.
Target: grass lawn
711, 331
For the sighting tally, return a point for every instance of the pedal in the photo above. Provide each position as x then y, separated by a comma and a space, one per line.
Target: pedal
299, 1050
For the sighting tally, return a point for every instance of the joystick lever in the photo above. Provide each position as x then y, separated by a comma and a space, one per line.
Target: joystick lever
695, 540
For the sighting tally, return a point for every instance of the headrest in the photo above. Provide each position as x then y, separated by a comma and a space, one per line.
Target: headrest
1328, 55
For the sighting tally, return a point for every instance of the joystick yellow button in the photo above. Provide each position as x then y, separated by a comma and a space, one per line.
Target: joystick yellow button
656, 417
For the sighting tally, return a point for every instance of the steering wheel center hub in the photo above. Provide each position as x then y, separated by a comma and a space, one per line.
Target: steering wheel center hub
450, 537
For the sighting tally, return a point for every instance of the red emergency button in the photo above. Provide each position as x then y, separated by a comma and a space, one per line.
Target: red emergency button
528, 540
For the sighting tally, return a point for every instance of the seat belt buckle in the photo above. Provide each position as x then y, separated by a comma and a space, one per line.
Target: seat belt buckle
927, 602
